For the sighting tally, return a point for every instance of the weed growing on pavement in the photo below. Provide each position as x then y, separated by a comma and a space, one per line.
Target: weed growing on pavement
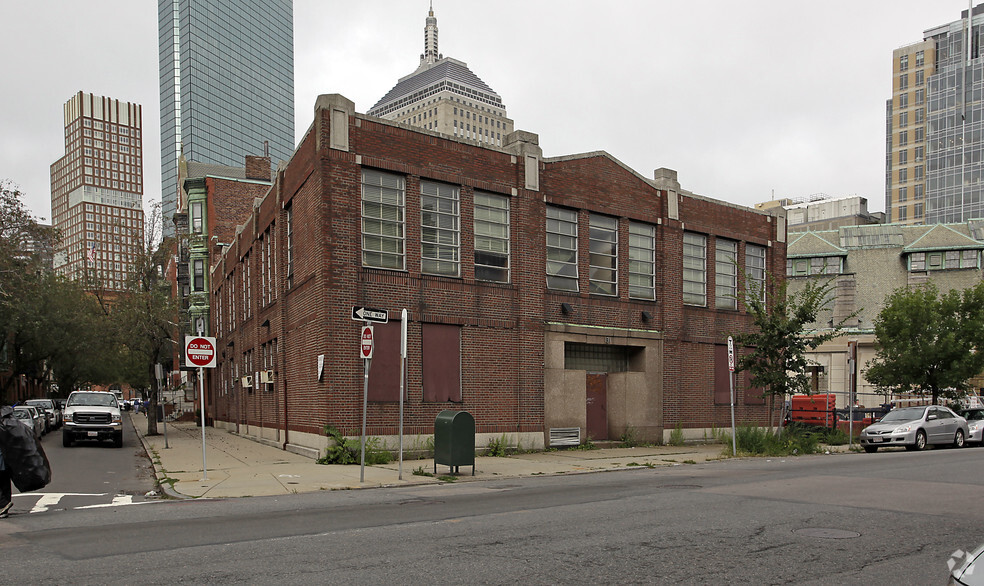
497, 447
676, 436
690, 461
348, 451
588, 445
759, 441
447, 478
419, 471
630, 438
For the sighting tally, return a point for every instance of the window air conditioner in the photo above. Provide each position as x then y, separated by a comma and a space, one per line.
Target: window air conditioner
247, 382
266, 376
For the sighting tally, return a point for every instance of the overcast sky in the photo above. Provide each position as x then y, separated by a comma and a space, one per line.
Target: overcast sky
745, 99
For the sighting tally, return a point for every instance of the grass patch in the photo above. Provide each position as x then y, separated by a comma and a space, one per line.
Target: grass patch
419, 471
448, 478
793, 440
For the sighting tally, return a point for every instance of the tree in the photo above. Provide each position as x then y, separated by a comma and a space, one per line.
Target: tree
929, 343
781, 339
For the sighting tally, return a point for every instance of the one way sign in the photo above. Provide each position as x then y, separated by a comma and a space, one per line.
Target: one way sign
369, 314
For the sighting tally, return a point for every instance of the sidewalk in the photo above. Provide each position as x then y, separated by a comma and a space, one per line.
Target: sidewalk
239, 466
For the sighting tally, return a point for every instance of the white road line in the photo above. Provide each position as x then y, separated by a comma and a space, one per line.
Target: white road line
52, 498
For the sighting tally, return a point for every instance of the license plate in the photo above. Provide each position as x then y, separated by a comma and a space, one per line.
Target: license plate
884, 439
93, 434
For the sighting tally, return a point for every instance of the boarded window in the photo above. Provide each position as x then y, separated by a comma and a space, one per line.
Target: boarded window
722, 376
384, 373
441, 354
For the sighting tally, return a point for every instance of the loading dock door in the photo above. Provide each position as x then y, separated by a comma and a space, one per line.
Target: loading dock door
597, 405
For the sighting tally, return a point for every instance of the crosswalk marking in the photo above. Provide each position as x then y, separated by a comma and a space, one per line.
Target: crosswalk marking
51, 499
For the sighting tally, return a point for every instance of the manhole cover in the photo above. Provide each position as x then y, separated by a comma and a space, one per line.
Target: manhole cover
826, 533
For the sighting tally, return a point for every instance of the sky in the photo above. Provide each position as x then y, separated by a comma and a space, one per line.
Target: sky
748, 100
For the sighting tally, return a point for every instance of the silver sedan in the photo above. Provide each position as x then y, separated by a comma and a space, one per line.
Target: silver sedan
915, 428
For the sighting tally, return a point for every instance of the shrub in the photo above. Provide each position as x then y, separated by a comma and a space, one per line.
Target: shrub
497, 447
347, 451
676, 436
791, 441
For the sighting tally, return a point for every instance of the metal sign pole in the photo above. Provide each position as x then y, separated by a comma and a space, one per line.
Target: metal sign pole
201, 388
403, 370
365, 407
731, 383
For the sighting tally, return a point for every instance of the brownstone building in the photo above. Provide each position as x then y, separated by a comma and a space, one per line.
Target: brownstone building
555, 299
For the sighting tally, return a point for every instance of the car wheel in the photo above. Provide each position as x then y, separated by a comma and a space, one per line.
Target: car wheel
66, 440
958, 439
118, 440
871, 449
920, 441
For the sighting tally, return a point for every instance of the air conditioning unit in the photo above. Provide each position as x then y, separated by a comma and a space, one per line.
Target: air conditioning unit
266, 376
247, 382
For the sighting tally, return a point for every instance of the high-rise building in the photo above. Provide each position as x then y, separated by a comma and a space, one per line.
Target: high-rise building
443, 95
934, 171
97, 191
227, 85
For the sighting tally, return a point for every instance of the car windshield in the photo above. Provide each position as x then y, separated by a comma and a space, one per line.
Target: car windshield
973, 415
21, 414
92, 400
41, 403
904, 414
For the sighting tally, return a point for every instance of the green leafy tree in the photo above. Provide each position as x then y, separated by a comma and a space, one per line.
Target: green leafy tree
784, 333
929, 343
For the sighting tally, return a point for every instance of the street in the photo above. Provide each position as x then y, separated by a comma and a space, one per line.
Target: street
886, 518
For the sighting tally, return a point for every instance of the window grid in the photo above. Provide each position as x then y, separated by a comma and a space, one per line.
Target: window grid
383, 200
755, 270
491, 237
603, 256
561, 249
694, 269
726, 274
439, 232
642, 261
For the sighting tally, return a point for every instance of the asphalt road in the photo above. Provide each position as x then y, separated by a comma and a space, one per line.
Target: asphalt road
887, 518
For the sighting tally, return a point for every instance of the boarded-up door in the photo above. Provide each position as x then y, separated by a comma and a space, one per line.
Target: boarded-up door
597, 405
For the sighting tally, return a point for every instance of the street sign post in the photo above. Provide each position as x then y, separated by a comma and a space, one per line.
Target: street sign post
200, 352
404, 317
731, 384
368, 314
365, 352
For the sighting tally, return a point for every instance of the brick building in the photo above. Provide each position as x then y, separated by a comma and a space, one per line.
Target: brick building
546, 295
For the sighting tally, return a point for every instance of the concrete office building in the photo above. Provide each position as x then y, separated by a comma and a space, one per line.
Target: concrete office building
97, 191
227, 85
443, 95
935, 126
821, 212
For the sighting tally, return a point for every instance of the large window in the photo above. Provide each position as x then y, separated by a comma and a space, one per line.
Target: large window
755, 271
726, 274
694, 269
290, 246
439, 237
603, 257
198, 275
491, 237
382, 220
642, 261
561, 249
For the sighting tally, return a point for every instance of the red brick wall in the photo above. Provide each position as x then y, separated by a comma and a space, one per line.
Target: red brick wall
502, 330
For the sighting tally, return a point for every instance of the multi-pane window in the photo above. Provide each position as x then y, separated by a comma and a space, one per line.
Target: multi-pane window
642, 261
561, 249
603, 257
439, 236
755, 271
694, 269
491, 237
198, 274
949, 259
726, 274
196, 217
290, 246
383, 198
247, 289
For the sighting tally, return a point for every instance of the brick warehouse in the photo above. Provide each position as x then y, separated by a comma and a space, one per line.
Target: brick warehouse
549, 297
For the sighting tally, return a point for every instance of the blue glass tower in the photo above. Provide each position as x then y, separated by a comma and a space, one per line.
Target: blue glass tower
227, 85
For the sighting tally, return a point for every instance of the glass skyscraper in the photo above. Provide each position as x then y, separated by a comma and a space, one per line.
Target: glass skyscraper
227, 85
935, 126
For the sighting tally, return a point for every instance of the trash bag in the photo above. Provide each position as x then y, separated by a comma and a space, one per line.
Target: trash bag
22, 454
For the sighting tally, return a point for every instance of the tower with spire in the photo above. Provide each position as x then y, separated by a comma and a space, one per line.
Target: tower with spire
443, 95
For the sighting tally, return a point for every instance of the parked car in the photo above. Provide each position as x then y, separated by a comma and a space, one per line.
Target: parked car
975, 425
27, 418
37, 420
52, 413
915, 428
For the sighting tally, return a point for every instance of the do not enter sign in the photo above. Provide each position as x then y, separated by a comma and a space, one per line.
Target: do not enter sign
365, 348
200, 351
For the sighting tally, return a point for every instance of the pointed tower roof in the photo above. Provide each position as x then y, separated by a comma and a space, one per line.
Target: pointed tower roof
434, 74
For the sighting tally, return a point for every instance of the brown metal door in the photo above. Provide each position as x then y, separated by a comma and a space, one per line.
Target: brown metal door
597, 405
